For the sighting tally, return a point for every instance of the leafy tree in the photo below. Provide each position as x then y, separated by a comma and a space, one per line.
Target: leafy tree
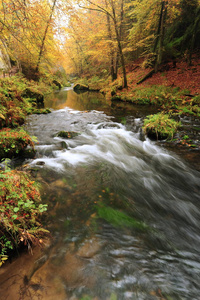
98, 45
27, 32
164, 27
183, 35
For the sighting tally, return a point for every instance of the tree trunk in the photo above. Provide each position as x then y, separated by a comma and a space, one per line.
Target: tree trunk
113, 66
117, 31
160, 35
194, 35
119, 45
44, 38
113, 70
146, 76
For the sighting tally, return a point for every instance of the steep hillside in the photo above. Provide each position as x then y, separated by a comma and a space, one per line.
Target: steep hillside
183, 76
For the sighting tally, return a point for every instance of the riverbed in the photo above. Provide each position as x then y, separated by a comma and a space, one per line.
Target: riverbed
123, 212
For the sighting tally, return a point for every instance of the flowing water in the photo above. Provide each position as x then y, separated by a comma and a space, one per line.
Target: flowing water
124, 214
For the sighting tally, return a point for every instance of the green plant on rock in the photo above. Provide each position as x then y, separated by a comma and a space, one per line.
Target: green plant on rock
20, 207
67, 134
196, 100
160, 126
14, 142
5, 245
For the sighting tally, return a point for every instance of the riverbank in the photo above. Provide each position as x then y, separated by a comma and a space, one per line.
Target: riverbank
174, 90
20, 202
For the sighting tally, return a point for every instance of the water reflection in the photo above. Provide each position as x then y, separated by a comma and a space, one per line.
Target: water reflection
96, 101
82, 101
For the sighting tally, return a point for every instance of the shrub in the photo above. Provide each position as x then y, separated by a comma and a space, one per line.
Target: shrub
14, 142
20, 208
196, 100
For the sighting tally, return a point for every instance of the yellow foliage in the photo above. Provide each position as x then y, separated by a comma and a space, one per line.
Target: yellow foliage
23, 28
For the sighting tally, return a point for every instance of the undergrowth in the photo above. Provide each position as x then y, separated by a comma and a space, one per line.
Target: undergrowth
14, 142
160, 126
20, 203
14, 104
20, 207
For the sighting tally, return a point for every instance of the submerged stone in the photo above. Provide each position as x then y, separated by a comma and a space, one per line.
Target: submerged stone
67, 134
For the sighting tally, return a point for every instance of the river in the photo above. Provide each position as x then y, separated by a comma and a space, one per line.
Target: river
123, 212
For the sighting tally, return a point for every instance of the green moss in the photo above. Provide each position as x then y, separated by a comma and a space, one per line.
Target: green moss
118, 218
160, 126
196, 100
157, 95
39, 111
67, 134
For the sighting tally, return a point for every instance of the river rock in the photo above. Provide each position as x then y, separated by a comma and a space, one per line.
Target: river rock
40, 163
80, 87
57, 83
89, 249
2, 167
67, 134
59, 183
28, 93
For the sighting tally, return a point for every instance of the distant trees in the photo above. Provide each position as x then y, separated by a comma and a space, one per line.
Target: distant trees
102, 22
96, 37
121, 31
165, 28
27, 34
184, 33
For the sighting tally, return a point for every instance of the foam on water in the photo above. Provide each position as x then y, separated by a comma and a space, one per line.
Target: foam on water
157, 186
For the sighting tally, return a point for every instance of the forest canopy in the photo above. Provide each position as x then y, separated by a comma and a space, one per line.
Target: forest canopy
95, 37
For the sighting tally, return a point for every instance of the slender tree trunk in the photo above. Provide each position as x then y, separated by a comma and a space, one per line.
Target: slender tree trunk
44, 37
113, 70
194, 35
117, 31
160, 35
113, 67
119, 45
162, 29
5, 54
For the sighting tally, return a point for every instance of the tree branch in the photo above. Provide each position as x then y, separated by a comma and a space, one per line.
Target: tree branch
99, 8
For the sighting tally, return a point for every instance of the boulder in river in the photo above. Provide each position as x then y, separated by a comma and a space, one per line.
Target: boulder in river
57, 84
80, 87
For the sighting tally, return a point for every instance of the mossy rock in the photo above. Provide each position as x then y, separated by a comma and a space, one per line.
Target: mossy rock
37, 96
57, 84
40, 111
119, 218
80, 87
15, 143
196, 100
116, 98
160, 126
67, 134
